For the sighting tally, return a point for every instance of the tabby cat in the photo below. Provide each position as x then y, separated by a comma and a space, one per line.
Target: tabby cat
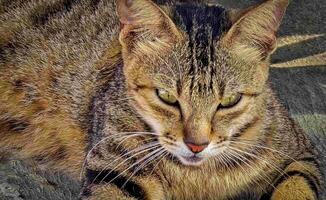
151, 100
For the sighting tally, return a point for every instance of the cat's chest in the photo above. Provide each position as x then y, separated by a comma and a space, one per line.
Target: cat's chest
194, 186
181, 183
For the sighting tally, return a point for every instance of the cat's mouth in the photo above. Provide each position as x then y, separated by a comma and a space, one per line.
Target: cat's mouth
193, 160
184, 155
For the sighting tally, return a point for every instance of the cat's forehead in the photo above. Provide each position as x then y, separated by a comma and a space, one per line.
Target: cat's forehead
202, 26
198, 64
183, 71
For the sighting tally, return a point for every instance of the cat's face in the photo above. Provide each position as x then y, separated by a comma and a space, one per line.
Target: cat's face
207, 108
200, 91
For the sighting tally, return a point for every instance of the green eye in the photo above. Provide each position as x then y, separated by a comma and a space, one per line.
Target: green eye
231, 100
166, 97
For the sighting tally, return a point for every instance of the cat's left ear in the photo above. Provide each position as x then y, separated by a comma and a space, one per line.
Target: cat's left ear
253, 34
145, 28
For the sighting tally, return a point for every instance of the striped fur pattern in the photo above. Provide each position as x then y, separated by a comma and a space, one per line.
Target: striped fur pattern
79, 82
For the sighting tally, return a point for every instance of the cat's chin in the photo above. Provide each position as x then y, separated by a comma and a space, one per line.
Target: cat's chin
191, 161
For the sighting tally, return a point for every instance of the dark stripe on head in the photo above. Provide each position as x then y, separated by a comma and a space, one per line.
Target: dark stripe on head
127, 186
221, 86
203, 26
201, 20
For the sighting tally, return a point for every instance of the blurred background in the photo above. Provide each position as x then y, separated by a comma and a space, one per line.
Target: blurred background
298, 75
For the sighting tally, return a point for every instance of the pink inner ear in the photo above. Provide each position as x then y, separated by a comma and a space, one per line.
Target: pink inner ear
125, 15
279, 11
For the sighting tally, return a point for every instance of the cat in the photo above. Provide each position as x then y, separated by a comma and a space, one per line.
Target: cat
151, 100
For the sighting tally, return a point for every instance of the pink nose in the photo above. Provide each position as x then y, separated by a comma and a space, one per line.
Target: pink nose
196, 148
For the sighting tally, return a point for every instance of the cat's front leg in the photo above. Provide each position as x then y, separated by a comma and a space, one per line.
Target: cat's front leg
301, 182
108, 175
104, 192
101, 186
294, 188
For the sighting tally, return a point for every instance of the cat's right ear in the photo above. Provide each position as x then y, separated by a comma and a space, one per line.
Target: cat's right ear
145, 28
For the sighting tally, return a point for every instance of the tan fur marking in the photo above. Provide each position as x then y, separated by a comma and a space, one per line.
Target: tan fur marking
294, 188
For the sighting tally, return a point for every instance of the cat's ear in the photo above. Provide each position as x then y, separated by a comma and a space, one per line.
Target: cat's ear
145, 28
253, 33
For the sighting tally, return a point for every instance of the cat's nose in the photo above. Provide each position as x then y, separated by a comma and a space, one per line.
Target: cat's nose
196, 148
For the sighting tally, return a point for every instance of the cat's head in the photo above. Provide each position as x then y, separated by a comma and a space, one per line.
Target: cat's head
198, 73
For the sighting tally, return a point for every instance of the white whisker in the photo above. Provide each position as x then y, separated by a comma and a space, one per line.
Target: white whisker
134, 164
149, 160
266, 178
243, 169
262, 159
120, 134
268, 148
140, 150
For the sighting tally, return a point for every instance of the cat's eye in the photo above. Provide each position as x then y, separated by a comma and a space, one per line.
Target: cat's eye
231, 100
166, 97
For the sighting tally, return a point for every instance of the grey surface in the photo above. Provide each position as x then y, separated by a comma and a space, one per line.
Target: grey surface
24, 181
301, 89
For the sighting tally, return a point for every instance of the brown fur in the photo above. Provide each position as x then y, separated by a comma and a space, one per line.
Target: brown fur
74, 81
